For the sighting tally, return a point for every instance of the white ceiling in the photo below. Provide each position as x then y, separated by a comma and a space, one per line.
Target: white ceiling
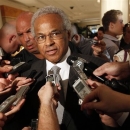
81, 11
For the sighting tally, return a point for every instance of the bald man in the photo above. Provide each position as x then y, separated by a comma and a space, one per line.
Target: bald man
9, 40
23, 28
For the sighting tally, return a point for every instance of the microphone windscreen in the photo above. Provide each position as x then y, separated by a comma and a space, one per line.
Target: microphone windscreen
71, 59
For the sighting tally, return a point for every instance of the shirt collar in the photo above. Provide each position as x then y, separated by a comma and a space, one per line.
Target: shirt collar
110, 37
62, 64
115, 40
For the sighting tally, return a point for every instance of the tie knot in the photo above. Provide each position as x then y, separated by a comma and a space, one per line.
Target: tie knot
55, 69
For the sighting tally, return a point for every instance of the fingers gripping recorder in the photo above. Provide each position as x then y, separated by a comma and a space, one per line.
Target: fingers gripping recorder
13, 100
80, 86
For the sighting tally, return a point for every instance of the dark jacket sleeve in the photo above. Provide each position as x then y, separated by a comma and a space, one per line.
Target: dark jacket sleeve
126, 125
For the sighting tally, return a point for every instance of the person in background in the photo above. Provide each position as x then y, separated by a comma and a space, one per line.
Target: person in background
100, 33
122, 56
30, 53
125, 40
9, 40
93, 47
113, 25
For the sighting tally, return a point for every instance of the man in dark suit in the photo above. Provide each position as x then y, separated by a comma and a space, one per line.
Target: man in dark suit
52, 40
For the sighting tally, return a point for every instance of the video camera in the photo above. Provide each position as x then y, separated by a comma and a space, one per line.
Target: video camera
84, 69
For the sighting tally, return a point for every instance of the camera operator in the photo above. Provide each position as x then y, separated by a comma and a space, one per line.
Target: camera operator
109, 102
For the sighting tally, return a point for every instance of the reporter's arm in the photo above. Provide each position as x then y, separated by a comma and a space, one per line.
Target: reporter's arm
117, 70
47, 118
47, 114
109, 101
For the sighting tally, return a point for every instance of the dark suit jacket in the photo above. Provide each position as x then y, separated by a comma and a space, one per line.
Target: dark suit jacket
26, 56
126, 124
76, 119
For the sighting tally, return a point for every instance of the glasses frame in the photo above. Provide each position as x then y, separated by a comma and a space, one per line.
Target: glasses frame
60, 36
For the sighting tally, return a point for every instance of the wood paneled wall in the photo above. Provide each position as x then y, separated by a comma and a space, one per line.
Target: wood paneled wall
9, 13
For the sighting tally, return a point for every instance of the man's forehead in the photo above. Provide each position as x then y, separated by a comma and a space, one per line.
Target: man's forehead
23, 25
120, 17
49, 17
48, 20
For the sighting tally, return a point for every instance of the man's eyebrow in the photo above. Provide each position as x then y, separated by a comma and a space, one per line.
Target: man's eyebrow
19, 33
39, 34
49, 32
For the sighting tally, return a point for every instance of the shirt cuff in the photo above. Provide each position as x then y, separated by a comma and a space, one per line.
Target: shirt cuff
122, 119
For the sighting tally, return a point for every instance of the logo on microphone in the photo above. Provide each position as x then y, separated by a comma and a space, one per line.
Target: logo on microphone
79, 63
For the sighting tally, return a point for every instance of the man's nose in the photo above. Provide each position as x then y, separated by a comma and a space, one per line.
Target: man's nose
26, 37
49, 41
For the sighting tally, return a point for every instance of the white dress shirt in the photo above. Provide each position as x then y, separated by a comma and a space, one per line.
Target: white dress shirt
64, 73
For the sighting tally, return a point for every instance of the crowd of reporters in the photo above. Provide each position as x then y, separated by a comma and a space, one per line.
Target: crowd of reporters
112, 106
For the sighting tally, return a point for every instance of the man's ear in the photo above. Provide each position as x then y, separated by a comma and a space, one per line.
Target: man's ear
12, 38
111, 25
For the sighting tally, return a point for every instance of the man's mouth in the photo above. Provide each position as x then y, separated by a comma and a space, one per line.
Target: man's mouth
30, 47
51, 52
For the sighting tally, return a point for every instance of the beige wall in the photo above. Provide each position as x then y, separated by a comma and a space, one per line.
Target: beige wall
13, 4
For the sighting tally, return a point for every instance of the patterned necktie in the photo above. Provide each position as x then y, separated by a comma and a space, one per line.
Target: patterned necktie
60, 109
55, 71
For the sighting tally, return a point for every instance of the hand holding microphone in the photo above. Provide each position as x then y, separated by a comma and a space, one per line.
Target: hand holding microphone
88, 69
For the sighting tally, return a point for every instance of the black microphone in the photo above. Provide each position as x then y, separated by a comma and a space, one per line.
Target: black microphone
88, 67
18, 68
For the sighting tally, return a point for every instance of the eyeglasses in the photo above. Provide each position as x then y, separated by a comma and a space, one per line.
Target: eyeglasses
54, 35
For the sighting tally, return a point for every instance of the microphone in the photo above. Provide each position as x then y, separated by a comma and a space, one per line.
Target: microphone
88, 68
13, 100
18, 68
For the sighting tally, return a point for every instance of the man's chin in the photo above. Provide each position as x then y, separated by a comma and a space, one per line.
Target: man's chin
34, 51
